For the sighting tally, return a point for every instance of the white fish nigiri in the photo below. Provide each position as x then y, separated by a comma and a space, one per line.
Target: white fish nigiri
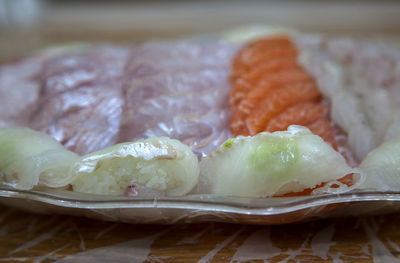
382, 167
269, 164
160, 165
29, 158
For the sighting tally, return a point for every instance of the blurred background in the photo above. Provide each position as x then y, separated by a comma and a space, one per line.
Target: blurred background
27, 25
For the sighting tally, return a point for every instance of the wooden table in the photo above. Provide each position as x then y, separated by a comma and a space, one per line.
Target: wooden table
26, 237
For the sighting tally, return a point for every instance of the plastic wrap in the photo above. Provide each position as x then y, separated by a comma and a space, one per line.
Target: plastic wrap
75, 89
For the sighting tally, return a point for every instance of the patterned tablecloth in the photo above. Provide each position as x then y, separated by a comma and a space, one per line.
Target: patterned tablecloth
28, 237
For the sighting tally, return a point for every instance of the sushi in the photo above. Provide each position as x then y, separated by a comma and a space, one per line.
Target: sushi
308, 109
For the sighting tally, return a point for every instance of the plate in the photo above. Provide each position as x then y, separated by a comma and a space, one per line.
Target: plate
202, 208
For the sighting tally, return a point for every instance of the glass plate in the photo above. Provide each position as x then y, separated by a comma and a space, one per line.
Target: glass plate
200, 208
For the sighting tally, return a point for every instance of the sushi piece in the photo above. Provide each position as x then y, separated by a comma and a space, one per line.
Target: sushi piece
382, 167
151, 167
29, 158
270, 164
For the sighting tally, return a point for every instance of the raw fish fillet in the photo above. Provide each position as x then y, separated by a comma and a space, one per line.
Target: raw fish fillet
179, 90
362, 82
81, 98
19, 91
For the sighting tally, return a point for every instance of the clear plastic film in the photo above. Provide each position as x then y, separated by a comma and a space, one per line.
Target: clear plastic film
103, 95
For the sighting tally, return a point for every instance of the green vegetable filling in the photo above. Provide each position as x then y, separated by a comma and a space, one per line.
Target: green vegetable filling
228, 144
275, 156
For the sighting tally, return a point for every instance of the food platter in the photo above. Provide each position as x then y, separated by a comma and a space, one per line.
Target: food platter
205, 208
211, 205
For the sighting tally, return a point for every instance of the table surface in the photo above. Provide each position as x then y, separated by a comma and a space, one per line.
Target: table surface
26, 237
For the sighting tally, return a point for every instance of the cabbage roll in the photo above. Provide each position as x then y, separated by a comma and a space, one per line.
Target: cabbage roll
29, 158
269, 164
154, 166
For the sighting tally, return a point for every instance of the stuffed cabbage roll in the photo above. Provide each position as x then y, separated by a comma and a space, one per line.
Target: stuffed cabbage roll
29, 158
269, 164
155, 166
